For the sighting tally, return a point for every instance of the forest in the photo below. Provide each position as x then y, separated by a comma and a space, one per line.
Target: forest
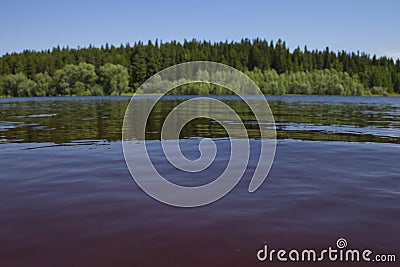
116, 70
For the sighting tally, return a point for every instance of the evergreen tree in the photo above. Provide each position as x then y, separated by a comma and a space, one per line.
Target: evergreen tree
66, 71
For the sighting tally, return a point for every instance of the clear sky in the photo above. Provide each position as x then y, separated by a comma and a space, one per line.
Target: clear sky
373, 27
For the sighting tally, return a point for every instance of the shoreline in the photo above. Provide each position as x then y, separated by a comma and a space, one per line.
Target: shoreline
126, 94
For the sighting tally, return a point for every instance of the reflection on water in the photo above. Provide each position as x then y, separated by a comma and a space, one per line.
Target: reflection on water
75, 204
60, 120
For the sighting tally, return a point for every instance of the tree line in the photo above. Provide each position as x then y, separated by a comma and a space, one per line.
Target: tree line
111, 70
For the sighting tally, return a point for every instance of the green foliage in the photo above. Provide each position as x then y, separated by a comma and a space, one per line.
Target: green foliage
277, 70
43, 83
71, 80
318, 82
75, 79
16, 85
138, 66
114, 78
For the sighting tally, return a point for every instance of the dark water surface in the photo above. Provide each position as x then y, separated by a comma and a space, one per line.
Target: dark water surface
67, 198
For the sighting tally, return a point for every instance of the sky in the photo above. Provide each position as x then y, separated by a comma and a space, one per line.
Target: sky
351, 25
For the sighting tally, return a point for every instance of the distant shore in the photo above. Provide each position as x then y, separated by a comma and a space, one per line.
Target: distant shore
276, 69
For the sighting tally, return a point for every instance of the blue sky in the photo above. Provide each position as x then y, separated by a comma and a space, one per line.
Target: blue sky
349, 25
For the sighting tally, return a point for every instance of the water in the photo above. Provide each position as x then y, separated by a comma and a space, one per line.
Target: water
67, 199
